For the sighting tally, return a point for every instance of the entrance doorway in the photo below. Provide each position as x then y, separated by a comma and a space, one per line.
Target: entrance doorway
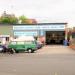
55, 37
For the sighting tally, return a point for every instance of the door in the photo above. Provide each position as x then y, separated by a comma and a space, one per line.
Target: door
55, 37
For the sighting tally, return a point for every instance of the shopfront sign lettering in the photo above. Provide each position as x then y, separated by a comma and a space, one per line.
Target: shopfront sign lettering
39, 27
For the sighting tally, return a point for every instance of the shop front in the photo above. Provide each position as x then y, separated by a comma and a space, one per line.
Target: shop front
55, 37
49, 33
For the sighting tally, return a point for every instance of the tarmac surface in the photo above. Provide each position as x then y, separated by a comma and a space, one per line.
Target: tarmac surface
56, 49
50, 60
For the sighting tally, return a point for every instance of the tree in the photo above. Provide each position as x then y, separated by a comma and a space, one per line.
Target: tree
8, 19
22, 19
13, 20
4, 20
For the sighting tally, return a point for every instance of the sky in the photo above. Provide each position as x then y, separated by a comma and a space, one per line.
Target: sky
46, 11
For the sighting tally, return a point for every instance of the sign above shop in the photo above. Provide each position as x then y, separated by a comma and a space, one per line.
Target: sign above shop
4, 35
26, 33
39, 27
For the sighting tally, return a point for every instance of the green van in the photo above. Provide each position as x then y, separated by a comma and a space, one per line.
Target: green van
20, 46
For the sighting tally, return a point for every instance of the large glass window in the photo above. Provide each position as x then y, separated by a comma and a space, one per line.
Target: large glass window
29, 42
20, 42
13, 42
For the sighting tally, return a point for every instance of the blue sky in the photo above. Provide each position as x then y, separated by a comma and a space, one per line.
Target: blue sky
42, 10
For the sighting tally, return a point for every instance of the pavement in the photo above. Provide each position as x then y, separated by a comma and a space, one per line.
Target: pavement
56, 49
50, 60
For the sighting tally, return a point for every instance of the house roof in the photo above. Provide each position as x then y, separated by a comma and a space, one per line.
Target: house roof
39, 24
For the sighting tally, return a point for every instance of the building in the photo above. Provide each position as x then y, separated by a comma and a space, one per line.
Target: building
49, 33
30, 21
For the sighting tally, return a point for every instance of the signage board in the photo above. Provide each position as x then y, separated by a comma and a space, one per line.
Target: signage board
39, 27
26, 33
4, 35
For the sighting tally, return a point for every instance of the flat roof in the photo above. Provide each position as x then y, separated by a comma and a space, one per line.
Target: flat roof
38, 24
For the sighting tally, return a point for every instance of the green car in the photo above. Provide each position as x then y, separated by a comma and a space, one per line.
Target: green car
21, 46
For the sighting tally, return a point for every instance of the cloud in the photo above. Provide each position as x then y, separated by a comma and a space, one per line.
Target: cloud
42, 10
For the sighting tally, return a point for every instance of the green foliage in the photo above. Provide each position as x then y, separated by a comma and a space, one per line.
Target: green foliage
22, 18
13, 20
5, 20
8, 20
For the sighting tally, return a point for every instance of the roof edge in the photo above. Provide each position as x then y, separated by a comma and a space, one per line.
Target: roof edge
37, 23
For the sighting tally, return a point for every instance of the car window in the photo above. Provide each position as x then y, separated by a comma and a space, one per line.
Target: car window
28, 42
20, 42
13, 42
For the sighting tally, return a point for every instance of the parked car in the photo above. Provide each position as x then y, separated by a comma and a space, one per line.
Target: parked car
39, 44
21, 46
3, 48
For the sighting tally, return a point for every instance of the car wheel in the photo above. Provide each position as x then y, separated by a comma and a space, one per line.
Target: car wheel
12, 51
17, 51
30, 51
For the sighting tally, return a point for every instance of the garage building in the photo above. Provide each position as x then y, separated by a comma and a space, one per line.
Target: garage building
50, 33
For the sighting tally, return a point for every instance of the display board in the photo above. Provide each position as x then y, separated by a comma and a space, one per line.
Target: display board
26, 33
39, 27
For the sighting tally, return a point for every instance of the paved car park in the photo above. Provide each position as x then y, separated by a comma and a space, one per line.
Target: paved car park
51, 49
56, 49
50, 60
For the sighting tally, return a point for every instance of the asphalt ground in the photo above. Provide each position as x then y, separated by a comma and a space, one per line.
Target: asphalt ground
50, 60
